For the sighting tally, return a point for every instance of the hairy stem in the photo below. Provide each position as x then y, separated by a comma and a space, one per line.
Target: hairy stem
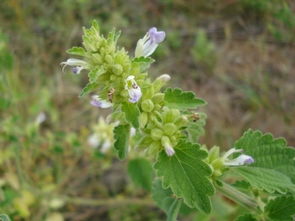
238, 197
109, 202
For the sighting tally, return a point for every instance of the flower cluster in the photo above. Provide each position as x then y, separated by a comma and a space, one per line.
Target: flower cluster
121, 82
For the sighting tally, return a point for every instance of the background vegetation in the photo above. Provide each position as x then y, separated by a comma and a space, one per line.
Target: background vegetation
239, 55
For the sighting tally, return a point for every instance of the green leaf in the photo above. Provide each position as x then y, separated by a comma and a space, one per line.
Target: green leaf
281, 208
246, 217
266, 179
176, 98
131, 113
95, 73
121, 135
268, 152
88, 88
196, 129
174, 210
143, 62
77, 51
187, 175
140, 171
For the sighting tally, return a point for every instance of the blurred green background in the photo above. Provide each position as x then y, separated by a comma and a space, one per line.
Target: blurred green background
239, 55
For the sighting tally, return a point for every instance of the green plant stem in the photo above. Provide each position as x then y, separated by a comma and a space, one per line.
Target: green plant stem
238, 197
109, 202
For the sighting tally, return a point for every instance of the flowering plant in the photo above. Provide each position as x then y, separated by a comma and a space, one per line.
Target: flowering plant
167, 134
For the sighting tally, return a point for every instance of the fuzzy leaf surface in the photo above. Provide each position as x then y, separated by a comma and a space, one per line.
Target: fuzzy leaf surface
266, 179
94, 74
187, 175
268, 152
140, 171
121, 135
131, 113
281, 208
177, 98
174, 210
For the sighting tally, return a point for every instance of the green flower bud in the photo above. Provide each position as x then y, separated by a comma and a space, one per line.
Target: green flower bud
182, 121
169, 129
147, 105
213, 154
156, 134
217, 164
117, 69
108, 58
143, 119
170, 115
158, 97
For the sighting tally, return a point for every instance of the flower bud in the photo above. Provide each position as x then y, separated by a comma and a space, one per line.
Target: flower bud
158, 97
147, 105
168, 147
108, 58
170, 115
143, 118
169, 129
161, 81
156, 134
117, 69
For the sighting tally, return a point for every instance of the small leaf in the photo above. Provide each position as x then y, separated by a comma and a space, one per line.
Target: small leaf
77, 51
266, 179
140, 171
121, 135
174, 210
281, 208
187, 175
94, 74
176, 98
131, 113
143, 62
88, 88
246, 217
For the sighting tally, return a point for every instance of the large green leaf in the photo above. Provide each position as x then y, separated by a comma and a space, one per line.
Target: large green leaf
281, 208
268, 152
131, 113
121, 134
176, 98
266, 179
140, 171
187, 175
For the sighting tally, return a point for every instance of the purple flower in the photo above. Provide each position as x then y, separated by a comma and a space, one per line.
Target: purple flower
96, 101
148, 44
133, 89
241, 160
77, 65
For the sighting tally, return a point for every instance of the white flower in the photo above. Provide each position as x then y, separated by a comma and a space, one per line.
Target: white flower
241, 160
148, 44
164, 78
93, 140
96, 101
169, 150
133, 89
77, 65
41, 117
